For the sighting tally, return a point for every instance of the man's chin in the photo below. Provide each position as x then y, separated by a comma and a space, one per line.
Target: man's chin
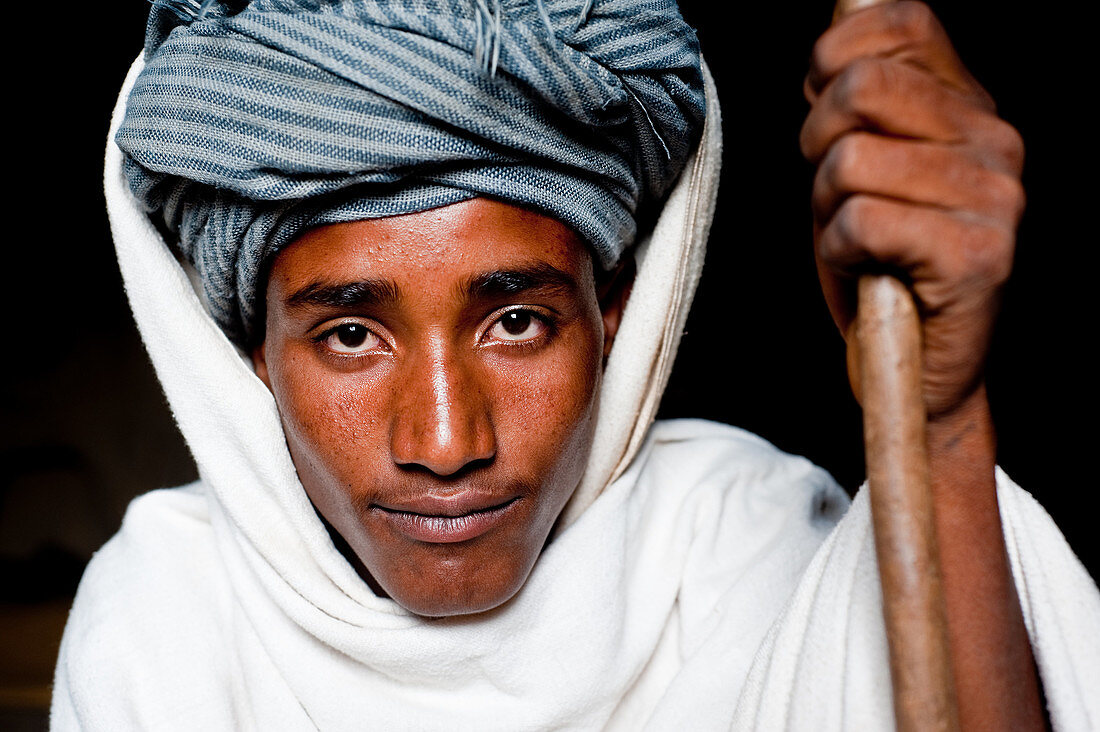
453, 599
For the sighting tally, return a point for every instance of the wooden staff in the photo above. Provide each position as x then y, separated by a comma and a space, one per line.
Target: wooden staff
888, 354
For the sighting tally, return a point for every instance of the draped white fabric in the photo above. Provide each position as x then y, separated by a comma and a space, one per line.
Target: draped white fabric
824, 665
224, 605
651, 604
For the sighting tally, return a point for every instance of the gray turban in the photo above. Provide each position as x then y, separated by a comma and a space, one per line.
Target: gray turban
253, 121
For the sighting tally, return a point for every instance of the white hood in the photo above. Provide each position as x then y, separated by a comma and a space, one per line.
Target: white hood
230, 420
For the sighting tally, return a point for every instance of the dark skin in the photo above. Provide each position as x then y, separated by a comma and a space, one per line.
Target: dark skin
437, 395
436, 372
918, 174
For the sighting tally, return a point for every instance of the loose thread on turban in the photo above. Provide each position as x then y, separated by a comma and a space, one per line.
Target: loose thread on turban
583, 14
188, 11
545, 18
649, 119
487, 47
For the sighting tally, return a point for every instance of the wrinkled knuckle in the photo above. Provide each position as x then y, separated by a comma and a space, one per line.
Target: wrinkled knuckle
864, 81
852, 221
842, 164
828, 243
988, 253
1008, 194
1010, 143
911, 21
821, 56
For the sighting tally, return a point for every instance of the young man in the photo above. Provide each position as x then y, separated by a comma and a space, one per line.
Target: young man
442, 504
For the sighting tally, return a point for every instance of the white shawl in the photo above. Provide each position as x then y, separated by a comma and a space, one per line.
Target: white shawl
224, 605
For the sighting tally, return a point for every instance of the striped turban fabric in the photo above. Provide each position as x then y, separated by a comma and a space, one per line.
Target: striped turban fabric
253, 121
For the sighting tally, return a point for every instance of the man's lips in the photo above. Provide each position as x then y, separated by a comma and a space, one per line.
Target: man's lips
450, 519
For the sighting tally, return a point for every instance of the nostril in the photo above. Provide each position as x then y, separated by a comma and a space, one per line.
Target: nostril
443, 447
463, 471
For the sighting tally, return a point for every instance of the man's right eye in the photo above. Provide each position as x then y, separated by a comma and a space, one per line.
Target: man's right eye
350, 338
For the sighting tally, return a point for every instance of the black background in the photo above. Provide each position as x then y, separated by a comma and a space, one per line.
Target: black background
760, 350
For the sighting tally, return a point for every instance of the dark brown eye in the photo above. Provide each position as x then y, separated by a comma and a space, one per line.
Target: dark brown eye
516, 322
518, 325
351, 335
350, 338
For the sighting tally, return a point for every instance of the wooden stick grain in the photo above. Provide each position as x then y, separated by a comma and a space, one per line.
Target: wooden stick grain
888, 344
888, 334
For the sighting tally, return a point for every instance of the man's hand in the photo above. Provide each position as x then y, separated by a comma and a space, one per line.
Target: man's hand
917, 175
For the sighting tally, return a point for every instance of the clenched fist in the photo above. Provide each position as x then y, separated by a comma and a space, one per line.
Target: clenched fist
916, 176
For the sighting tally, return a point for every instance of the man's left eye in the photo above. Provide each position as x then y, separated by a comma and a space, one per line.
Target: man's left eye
518, 325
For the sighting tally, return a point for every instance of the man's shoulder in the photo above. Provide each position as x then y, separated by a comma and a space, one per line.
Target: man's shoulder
160, 564
162, 553
735, 492
705, 433
701, 454
169, 526
750, 516
149, 597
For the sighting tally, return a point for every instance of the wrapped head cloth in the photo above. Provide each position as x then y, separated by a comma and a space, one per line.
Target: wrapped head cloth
253, 121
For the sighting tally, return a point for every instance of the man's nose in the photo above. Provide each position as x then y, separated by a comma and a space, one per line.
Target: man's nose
442, 420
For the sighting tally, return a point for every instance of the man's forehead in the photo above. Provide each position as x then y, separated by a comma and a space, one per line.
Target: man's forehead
341, 292
471, 247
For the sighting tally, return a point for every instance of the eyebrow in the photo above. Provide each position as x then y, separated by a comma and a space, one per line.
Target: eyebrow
487, 286
502, 283
345, 294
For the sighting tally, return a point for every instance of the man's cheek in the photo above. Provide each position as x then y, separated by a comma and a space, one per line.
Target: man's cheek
337, 424
551, 388
539, 410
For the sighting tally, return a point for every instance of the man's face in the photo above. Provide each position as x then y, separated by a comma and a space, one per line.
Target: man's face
437, 374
